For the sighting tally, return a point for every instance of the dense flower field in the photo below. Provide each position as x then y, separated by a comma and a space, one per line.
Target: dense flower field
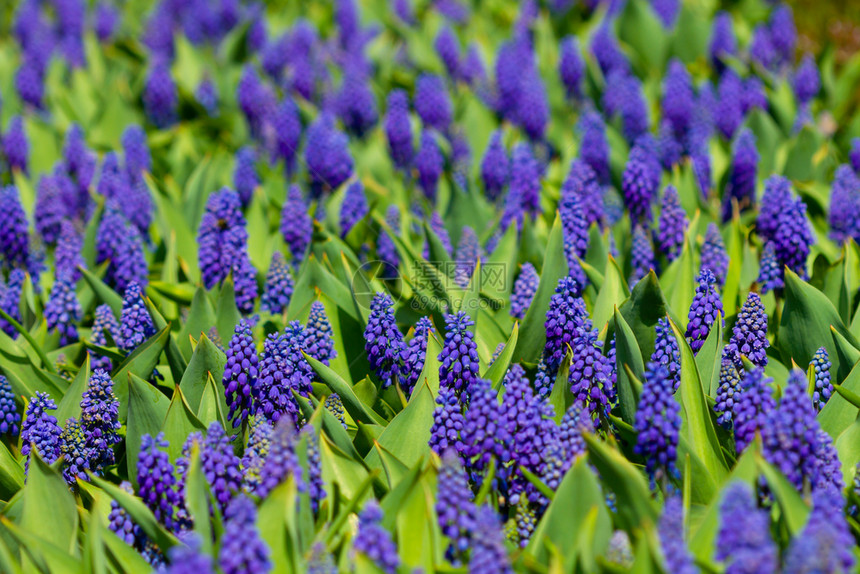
427, 286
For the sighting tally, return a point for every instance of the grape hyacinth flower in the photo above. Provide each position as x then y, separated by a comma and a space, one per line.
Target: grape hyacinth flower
414, 355
714, 255
485, 433
524, 291
448, 423
706, 309
355, 103
16, 148
591, 377
679, 100
432, 102
104, 323
222, 246
641, 255
722, 42
525, 178
744, 544
749, 335
319, 342
455, 507
793, 237
242, 548
398, 129
825, 543
63, 310
672, 535
156, 480
240, 373
566, 318
296, 224
495, 167
160, 96
594, 147
729, 110
728, 393
448, 49
667, 11
468, 254
770, 275
752, 408
373, 541
188, 556
119, 242
100, 419
742, 176
76, 453
354, 207
607, 52
11, 300
10, 419
135, 325
532, 107
68, 256
582, 182
280, 459
245, 176
206, 95
783, 33
844, 215
790, 432
640, 182
458, 360
571, 67
327, 155
40, 430
279, 286
666, 352
220, 465
530, 429
489, 555
334, 405
761, 49
14, 232
575, 233
806, 82
672, 224
777, 195
384, 341
282, 132
823, 389
658, 421
429, 164
283, 369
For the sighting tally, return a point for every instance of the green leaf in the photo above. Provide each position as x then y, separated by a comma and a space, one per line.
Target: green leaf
141, 363
613, 292
804, 326
147, 409
103, 292
532, 338
627, 356
227, 316
635, 506
407, 435
564, 522
70, 405
351, 403
340, 468
175, 359
642, 310
179, 422
794, 509
197, 500
11, 474
201, 316
207, 360
495, 373
698, 425
708, 359
47, 498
